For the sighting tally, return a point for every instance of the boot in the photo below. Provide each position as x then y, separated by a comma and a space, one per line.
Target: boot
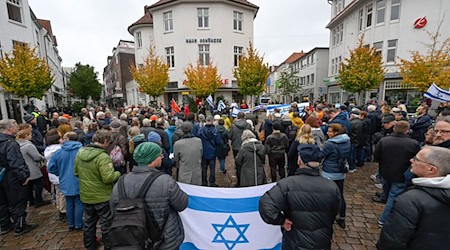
22, 227
341, 222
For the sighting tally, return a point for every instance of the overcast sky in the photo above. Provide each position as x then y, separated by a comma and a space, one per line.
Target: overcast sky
87, 30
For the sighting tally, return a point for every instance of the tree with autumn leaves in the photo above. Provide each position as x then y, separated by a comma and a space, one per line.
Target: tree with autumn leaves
251, 73
153, 77
432, 67
203, 80
24, 74
362, 71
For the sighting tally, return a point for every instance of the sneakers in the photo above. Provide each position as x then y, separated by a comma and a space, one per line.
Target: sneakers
352, 170
380, 224
5, 231
378, 185
24, 229
374, 177
341, 223
378, 199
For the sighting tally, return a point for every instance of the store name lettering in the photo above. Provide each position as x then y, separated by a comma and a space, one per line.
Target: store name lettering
204, 40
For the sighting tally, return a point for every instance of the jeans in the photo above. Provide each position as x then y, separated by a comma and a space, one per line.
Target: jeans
91, 215
359, 156
212, 171
13, 202
368, 148
352, 159
74, 211
343, 206
35, 188
277, 160
391, 190
222, 164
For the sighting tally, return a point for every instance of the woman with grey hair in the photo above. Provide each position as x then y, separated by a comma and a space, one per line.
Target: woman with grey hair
250, 161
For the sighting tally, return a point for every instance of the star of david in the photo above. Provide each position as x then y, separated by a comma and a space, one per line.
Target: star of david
230, 223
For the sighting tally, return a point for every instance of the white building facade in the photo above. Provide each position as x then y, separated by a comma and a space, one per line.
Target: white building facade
312, 70
183, 32
395, 28
18, 24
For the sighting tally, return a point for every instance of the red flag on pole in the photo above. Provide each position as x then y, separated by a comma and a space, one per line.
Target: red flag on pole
174, 107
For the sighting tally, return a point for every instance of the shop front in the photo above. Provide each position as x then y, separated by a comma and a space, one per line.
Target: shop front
394, 91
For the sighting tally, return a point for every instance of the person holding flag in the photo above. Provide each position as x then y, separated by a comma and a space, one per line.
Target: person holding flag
174, 107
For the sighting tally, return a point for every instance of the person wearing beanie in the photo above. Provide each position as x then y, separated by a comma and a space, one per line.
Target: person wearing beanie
164, 199
276, 146
210, 141
167, 163
36, 137
250, 161
188, 151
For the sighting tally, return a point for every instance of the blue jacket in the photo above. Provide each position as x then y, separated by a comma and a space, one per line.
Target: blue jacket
342, 119
62, 164
331, 155
169, 132
210, 140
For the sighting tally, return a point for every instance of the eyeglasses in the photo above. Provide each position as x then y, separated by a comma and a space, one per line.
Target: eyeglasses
415, 159
443, 132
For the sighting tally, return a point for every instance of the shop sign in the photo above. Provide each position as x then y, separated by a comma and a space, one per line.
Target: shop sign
204, 40
420, 22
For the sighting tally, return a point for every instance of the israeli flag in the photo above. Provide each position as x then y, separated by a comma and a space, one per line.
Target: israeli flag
235, 111
437, 94
227, 218
221, 106
210, 101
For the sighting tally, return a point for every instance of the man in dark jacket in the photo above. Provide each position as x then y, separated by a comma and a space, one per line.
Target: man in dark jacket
420, 217
305, 205
13, 187
277, 144
236, 131
42, 121
393, 154
164, 199
37, 138
160, 130
420, 125
336, 116
357, 141
210, 141
374, 117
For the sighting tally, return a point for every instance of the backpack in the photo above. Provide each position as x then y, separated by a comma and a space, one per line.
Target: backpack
117, 156
133, 226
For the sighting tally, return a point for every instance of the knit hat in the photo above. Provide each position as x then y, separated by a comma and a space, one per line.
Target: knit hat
28, 118
154, 137
277, 126
67, 116
247, 134
153, 118
186, 127
201, 117
388, 118
146, 152
115, 124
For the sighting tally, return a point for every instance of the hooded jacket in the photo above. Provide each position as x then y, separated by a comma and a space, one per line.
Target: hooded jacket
62, 165
210, 140
420, 217
251, 156
341, 118
223, 148
236, 131
170, 134
96, 174
330, 153
11, 158
32, 158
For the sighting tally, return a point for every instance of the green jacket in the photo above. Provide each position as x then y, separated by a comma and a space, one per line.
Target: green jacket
95, 170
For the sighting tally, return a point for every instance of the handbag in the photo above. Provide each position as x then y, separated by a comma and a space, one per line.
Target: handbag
45, 179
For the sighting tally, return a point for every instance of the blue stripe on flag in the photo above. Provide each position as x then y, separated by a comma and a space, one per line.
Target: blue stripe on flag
224, 205
436, 98
191, 246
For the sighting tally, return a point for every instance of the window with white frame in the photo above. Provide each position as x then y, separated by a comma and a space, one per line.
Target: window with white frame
369, 14
312, 58
378, 47
139, 39
238, 19
168, 21
14, 10
307, 80
332, 66
170, 56
203, 17
391, 50
395, 10
339, 62
334, 37
237, 55
341, 30
312, 78
381, 9
361, 20
338, 34
203, 53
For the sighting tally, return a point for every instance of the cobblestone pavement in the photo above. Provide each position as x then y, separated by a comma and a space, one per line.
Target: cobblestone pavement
361, 232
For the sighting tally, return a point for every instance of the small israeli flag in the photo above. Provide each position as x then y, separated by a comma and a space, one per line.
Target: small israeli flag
221, 218
210, 101
221, 106
437, 94
235, 111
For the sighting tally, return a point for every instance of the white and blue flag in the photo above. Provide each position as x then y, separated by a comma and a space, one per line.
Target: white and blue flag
235, 111
210, 101
437, 94
221, 218
221, 106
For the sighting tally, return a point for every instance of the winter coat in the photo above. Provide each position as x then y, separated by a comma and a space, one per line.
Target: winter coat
375, 122
393, 153
357, 132
310, 201
245, 163
117, 139
166, 164
101, 123
319, 137
420, 126
341, 118
37, 139
170, 134
62, 165
330, 153
42, 122
88, 137
308, 152
80, 135
12, 160
164, 199
32, 158
145, 130
267, 127
63, 128
224, 147
48, 154
133, 144
445, 144
236, 131
420, 217
96, 174
211, 139
188, 155
164, 138
292, 157
276, 143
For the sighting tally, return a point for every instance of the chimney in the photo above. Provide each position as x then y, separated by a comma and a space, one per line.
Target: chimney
145, 9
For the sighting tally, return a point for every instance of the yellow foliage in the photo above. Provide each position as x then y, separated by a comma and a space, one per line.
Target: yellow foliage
153, 76
202, 80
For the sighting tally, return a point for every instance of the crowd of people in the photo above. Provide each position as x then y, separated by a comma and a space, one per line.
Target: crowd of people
310, 152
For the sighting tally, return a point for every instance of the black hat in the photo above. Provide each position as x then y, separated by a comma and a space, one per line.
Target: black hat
388, 118
28, 118
277, 126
